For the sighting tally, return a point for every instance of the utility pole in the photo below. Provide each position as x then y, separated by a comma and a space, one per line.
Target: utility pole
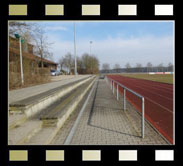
75, 70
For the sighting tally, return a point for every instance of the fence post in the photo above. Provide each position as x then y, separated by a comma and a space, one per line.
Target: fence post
124, 93
111, 84
143, 117
117, 92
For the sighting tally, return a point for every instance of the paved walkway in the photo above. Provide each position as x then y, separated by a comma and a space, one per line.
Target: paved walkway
104, 122
19, 94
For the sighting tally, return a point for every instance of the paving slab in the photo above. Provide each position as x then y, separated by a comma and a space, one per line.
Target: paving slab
104, 122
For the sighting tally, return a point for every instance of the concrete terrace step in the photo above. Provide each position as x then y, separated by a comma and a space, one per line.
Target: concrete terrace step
54, 117
56, 112
34, 104
43, 137
24, 115
15, 120
21, 133
20, 94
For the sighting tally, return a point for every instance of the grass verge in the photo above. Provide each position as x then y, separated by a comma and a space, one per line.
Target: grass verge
164, 78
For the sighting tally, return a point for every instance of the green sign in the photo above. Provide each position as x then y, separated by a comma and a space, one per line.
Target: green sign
22, 41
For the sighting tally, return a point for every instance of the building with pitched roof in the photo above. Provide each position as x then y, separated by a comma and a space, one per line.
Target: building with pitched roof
28, 54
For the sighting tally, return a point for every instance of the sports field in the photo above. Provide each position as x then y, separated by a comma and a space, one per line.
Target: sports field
165, 78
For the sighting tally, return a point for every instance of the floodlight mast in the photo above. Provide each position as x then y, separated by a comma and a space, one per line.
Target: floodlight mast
91, 56
75, 49
90, 47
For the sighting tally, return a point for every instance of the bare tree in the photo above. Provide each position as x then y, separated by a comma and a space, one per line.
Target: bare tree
149, 66
86, 62
90, 64
95, 64
24, 29
80, 68
106, 67
160, 67
42, 46
18, 27
68, 62
127, 66
61, 62
32, 33
138, 67
170, 67
116, 67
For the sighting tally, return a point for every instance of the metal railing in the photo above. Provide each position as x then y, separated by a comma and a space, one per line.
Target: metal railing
112, 83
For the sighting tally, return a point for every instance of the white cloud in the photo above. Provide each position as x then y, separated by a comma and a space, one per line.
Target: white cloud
55, 28
119, 50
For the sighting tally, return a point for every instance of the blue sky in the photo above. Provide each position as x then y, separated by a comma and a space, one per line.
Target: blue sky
114, 42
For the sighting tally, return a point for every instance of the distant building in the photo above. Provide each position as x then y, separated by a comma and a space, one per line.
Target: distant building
27, 53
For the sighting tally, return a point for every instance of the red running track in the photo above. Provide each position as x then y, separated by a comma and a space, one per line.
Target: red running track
158, 102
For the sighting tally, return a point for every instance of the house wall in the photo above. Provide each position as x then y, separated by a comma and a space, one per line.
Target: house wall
27, 51
26, 47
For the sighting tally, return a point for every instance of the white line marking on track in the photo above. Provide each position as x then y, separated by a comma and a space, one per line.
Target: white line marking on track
154, 82
153, 101
157, 94
150, 92
146, 98
156, 87
159, 105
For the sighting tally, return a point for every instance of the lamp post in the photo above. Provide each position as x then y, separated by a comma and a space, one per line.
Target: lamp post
90, 55
75, 70
90, 46
21, 66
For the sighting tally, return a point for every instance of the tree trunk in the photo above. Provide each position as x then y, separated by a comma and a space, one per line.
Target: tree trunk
41, 61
